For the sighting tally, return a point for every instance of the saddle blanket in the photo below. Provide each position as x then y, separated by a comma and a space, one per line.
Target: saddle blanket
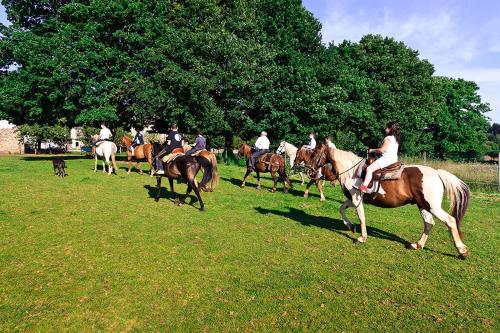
375, 187
170, 157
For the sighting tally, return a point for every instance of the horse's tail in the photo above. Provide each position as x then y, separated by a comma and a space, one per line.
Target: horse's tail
215, 171
458, 194
208, 170
114, 149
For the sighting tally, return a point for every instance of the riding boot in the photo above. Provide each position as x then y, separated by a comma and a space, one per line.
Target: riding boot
159, 167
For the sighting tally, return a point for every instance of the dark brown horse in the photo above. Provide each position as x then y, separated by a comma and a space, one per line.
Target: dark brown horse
270, 162
141, 153
213, 160
418, 184
185, 167
325, 172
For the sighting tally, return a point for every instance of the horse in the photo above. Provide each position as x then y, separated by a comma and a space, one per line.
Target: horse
269, 162
187, 167
325, 172
213, 161
106, 150
141, 153
290, 151
418, 184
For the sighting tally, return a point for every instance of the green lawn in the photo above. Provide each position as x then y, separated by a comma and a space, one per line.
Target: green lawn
93, 252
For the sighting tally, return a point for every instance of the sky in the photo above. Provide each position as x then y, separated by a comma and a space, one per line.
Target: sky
461, 38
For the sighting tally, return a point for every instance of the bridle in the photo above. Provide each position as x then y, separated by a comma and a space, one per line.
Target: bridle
317, 161
281, 148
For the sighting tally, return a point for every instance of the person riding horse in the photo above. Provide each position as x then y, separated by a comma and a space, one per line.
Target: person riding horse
138, 140
104, 135
312, 142
174, 143
199, 144
261, 147
389, 151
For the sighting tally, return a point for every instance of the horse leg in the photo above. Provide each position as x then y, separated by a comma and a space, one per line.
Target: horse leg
95, 163
306, 192
129, 158
138, 166
358, 203
347, 223
194, 186
452, 227
258, 180
158, 188
303, 181
110, 168
171, 182
284, 178
428, 224
275, 179
245, 178
320, 188
103, 166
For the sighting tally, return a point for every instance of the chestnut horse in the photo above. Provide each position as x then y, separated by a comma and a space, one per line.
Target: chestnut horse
269, 162
141, 153
325, 172
213, 161
418, 184
185, 167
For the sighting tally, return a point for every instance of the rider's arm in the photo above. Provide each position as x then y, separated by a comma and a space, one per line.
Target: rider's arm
382, 149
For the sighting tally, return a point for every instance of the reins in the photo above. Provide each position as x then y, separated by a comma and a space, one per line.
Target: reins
363, 159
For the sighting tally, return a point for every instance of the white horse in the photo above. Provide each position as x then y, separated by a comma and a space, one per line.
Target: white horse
418, 184
290, 151
105, 150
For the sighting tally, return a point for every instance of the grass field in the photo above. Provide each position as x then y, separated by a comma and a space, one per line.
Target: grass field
93, 252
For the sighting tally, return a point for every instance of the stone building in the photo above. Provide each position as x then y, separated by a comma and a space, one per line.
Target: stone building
9, 140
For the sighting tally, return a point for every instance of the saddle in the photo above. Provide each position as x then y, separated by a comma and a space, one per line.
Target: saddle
390, 172
198, 152
173, 155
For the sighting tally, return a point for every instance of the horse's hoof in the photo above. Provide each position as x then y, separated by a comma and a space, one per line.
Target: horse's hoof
359, 240
306, 195
464, 255
202, 209
411, 246
242, 186
157, 199
322, 199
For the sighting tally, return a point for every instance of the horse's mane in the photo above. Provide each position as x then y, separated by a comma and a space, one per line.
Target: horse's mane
344, 160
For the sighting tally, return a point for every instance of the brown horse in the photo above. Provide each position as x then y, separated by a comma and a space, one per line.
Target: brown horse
208, 155
418, 184
325, 172
185, 167
141, 153
269, 162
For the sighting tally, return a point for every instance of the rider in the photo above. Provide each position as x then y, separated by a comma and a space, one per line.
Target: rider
261, 148
104, 135
174, 144
312, 142
329, 143
389, 151
138, 140
199, 144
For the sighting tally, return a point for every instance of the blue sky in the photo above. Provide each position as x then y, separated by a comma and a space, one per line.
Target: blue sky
461, 38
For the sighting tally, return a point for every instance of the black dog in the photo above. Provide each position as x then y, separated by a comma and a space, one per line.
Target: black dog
59, 166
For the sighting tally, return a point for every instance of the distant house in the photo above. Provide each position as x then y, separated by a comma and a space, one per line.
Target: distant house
75, 135
9, 140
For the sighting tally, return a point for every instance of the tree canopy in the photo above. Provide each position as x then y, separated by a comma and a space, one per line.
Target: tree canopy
230, 68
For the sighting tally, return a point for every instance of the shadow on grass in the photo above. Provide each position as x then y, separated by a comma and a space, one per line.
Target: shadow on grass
172, 197
335, 225
293, 191
51, 157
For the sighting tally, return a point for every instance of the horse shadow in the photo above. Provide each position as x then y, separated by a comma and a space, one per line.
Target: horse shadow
332, 224
293, 191
171, 196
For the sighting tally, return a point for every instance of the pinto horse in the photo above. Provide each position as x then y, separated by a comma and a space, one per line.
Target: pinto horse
418, 184
269, 162
141, 153
324, 173
185, 167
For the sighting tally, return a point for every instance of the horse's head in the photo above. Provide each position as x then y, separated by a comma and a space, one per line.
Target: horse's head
245, 150
281, 148
317, 159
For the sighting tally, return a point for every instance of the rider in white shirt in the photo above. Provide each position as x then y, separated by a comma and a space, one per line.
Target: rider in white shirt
104, 135
329, 143
389, 151
312, 142
261, 147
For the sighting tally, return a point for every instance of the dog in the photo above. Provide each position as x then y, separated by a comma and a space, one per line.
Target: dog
59, 166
